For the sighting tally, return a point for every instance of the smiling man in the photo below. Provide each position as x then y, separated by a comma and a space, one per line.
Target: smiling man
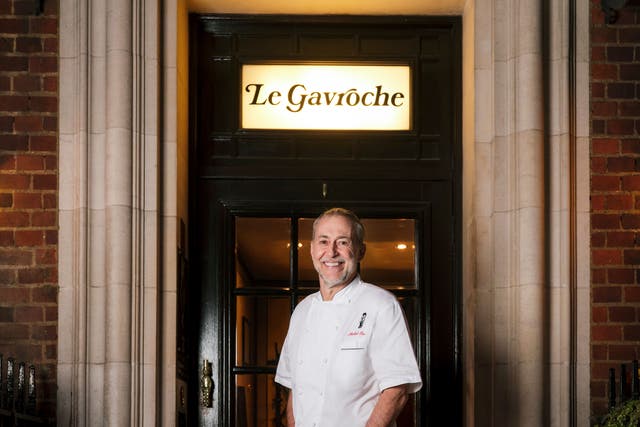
347, 358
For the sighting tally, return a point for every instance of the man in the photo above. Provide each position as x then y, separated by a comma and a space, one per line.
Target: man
347, 358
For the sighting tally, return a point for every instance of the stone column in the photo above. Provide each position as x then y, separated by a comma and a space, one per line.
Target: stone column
118, 211
559, 212
525, 177
511, 223
110, 215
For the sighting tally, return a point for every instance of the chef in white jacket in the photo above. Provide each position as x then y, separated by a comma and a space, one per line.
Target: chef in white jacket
347, 358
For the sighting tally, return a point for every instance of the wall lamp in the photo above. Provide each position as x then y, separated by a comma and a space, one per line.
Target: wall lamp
610, 9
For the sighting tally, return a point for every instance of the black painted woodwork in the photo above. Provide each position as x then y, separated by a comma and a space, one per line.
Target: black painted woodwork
405, 174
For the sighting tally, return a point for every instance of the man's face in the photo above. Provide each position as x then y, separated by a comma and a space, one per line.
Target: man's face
334, 255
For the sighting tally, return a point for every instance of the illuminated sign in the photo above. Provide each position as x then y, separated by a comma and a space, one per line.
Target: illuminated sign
326, 97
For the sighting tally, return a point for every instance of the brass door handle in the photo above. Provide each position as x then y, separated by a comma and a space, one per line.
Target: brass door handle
206, 385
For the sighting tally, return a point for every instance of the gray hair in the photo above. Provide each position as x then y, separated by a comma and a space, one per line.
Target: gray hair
357, 228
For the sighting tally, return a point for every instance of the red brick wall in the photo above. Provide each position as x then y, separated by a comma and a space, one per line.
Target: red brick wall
615, 195
28, 188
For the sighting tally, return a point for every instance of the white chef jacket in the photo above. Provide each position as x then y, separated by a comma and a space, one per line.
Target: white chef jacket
339, 355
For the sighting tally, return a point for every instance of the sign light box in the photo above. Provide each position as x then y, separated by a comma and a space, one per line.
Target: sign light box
326, 97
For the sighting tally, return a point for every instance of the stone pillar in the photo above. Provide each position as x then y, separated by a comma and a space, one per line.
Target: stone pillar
511, 219
110, 344
524, 206
118, 212
559, 212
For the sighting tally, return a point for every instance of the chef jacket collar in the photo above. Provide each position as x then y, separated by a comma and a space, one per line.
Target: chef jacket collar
345, 294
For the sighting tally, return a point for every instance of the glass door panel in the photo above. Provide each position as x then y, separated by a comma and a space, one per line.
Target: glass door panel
390, 258
262, 252
260, 401
411, 310
262, 306
261, 326
307, 276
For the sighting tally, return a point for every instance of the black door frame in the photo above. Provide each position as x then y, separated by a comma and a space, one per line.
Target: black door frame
408, 182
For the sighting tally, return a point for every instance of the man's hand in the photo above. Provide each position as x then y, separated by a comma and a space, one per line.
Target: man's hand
291, 422
389, 406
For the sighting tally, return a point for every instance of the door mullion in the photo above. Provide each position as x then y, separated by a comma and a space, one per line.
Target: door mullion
293, 264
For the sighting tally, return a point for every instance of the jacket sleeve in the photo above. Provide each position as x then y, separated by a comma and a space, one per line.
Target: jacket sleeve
392, 355
284, 374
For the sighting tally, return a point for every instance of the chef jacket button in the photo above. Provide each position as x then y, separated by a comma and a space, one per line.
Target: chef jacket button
325, 360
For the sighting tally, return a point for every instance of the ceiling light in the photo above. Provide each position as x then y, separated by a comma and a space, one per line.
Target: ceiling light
401, 246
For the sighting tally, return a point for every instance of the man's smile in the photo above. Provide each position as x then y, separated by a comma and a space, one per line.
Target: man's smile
334, 263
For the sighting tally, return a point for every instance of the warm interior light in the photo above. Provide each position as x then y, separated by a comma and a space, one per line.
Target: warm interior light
401, 246
326, 97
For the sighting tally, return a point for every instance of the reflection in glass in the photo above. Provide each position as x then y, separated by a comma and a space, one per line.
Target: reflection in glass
261, 325
307, 275
262, 251
390, 257
410, 313
260, 401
